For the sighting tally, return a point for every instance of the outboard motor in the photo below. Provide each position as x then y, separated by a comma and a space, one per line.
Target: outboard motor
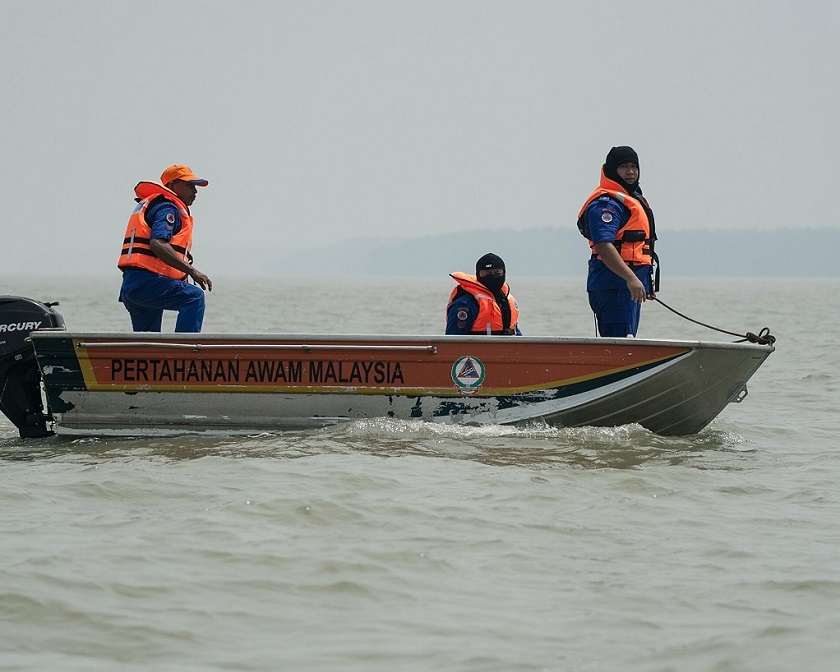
20, 378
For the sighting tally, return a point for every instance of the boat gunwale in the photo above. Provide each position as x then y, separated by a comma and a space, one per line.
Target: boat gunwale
144, 339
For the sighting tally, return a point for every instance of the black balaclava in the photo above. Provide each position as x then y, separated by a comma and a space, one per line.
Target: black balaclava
617, 156
487, 262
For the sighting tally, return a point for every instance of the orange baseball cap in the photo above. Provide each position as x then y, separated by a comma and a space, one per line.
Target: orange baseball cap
181, 172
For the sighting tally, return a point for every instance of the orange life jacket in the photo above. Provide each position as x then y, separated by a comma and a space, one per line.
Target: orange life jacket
633, 240
489, 311
136, 248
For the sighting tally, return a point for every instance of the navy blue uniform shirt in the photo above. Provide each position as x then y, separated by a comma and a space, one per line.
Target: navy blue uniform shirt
604, 217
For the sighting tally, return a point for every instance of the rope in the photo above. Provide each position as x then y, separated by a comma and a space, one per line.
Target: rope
764, 337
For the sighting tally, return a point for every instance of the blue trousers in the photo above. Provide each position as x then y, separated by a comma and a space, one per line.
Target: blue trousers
615, 312
146, 295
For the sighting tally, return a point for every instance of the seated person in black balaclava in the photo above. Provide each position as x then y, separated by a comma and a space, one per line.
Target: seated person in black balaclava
482, 303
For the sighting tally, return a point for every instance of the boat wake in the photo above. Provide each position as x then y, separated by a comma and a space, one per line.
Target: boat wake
536, 445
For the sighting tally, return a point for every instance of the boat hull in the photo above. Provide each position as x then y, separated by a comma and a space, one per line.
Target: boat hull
175, 383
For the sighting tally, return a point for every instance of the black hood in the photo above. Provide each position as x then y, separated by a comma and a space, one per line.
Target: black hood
617, 156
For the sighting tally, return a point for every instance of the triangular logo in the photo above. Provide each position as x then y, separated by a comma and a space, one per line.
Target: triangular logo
468, 369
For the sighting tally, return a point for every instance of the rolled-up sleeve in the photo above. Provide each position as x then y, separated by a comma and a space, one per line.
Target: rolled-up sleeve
164, 220
604, 217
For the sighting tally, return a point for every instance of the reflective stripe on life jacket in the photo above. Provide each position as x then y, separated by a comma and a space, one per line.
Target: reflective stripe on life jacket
633, 240
136, 249
489, 312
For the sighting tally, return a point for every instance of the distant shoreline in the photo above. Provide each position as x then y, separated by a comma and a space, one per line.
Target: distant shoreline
552, 251
538, 252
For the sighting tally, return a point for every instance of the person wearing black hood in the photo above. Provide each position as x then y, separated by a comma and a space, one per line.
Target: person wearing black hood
482, 303
618, 221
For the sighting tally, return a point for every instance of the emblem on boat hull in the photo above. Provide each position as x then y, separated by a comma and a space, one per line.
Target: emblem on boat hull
468, 373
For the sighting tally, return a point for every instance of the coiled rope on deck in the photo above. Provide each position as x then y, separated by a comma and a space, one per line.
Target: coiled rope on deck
763, 337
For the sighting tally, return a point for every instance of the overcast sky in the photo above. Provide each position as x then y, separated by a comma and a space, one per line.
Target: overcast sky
321, 121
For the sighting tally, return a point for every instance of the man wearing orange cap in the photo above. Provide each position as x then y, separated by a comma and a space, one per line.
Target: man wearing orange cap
155, 258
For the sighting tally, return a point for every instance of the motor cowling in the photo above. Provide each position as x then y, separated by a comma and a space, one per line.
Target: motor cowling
20, 379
